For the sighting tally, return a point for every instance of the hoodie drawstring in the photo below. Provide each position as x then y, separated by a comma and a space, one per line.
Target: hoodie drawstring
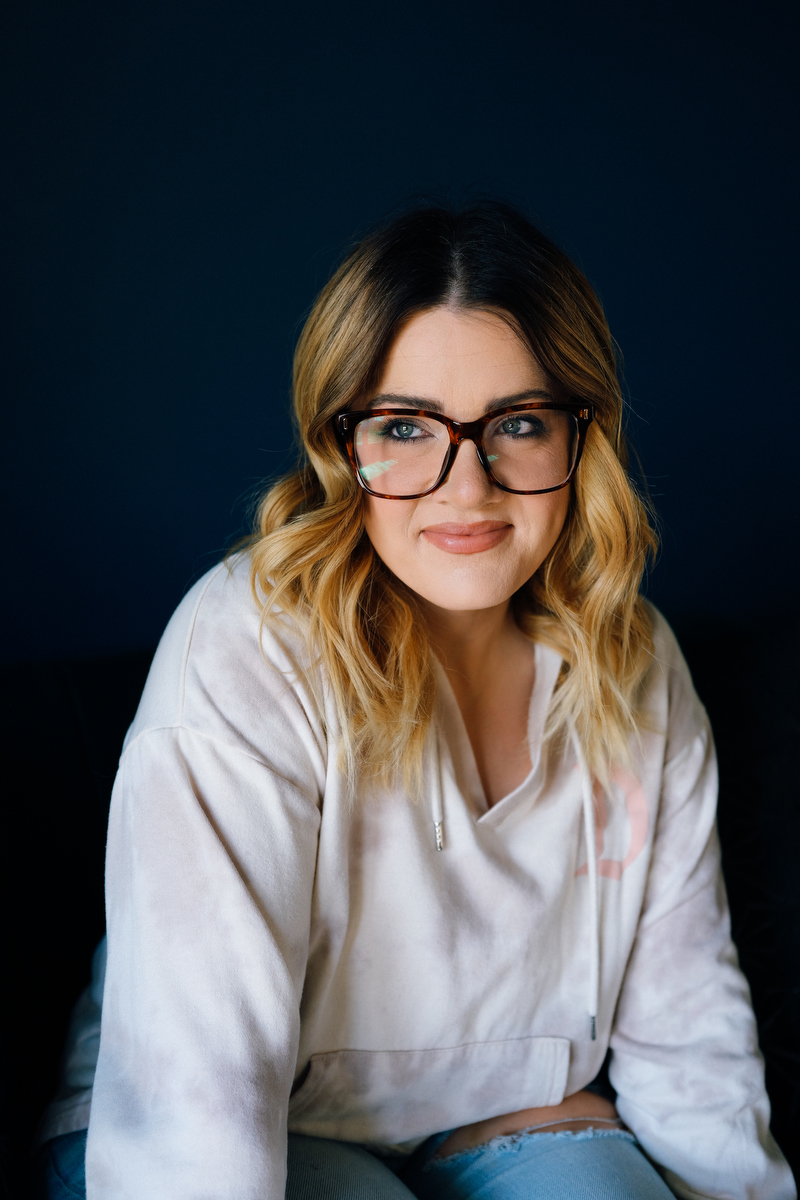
438, 817
437, 810
591, 867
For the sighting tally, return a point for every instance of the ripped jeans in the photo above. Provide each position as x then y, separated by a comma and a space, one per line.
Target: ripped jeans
592, 1164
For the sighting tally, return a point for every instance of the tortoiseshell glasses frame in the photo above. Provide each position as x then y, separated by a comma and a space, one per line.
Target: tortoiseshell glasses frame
346, 423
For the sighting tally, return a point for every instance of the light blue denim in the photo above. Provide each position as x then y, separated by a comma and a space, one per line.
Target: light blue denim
589, 1165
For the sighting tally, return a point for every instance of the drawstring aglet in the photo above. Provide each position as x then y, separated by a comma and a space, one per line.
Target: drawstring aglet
437, 825
593, 1025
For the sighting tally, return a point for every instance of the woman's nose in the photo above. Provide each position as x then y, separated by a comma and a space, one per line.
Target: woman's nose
467, 483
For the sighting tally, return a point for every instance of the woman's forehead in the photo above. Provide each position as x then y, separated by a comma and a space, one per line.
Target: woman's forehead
446, 354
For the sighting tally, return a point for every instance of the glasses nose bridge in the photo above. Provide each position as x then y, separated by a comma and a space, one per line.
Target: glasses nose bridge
466, 431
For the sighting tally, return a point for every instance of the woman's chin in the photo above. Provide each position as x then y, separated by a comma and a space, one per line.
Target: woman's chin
465, 599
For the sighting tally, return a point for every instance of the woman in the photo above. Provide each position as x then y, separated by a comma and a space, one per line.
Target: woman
416, 818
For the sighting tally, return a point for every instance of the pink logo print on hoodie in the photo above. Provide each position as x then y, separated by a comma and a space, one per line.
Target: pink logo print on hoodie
636, 808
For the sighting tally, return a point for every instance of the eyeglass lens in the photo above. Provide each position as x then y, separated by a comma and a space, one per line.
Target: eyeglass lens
527, 451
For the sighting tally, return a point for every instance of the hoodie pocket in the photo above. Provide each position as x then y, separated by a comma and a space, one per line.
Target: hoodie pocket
387, 1096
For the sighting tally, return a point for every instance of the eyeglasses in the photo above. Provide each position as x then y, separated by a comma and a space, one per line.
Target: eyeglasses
525, 449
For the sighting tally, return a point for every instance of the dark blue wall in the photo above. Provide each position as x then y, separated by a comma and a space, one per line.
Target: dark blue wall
183, 176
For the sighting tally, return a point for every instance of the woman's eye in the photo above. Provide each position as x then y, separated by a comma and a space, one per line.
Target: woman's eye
523, 426
402, 430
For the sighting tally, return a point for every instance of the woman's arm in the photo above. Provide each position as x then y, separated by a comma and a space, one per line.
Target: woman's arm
210, 869
685, 1062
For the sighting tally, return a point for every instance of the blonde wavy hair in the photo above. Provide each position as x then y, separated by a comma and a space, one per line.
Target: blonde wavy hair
311, 557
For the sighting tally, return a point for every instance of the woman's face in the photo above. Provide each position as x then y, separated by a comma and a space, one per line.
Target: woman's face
467, 546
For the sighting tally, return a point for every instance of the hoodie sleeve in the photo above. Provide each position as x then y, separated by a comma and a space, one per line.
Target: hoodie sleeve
210, 867
685, 1059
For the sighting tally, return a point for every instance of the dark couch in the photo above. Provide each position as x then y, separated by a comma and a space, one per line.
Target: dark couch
64, 726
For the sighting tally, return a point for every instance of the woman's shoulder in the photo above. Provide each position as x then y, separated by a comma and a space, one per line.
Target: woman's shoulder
220, 668
668, 682
666, 649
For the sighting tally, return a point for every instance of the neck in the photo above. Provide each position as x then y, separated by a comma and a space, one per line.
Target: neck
468, 643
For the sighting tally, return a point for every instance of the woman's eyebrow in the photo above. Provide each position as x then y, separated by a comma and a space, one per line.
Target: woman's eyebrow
390, 400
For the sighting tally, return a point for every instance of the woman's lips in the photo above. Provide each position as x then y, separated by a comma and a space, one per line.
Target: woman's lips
467, 538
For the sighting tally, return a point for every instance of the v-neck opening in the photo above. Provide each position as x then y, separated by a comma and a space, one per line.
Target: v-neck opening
547, 664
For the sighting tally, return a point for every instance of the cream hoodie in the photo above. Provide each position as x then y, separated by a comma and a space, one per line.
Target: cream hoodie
281, 957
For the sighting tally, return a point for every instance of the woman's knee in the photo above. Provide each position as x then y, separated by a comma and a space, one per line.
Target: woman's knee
320, 1169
